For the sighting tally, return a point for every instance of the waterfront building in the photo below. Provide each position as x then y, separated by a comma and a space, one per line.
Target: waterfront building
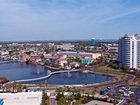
24, 57
129, 51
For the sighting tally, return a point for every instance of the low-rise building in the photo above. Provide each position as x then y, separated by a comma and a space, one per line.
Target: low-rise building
67, 46
23, 98
80, 54
24, 57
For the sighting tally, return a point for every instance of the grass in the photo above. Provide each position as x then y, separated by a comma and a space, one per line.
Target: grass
106, 69
62, 101
78, 102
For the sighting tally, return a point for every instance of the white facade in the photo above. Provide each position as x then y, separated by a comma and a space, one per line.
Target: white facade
129, 51
23, 98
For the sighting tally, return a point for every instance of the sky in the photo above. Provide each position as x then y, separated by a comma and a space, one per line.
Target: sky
22, 20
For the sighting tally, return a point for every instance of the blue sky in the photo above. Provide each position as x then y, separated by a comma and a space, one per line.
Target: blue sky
68, 19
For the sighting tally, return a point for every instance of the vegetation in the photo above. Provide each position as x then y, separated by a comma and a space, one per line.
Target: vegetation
77, 102
86, 100
74, 99
3, 80
105, 69
59, 96
62, 101
45, 99
15, 87
115, 65
77, 96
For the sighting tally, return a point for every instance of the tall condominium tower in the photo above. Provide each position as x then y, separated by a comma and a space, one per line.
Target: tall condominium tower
129, 51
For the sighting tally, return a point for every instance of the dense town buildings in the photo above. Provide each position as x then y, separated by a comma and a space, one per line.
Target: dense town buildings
81, 57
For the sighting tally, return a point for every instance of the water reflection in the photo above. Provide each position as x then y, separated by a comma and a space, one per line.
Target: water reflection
70, 78
18, 71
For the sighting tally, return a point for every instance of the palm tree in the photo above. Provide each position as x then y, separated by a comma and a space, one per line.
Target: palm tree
14, 86
93, 92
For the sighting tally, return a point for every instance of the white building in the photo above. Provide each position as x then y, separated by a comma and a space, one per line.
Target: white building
23, 98
67, 46
129, 51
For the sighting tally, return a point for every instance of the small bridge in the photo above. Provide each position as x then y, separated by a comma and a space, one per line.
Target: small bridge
41, 78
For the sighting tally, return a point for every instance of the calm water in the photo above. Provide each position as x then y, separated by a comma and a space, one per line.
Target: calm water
19, 71
75, 78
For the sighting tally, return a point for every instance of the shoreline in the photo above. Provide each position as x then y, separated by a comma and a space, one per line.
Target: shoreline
114, 81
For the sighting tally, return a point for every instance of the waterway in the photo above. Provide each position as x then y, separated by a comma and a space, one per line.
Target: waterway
19, 71
22, 71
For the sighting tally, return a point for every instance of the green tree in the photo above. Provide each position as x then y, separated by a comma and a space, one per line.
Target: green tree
78, 96
58, 96
44, 98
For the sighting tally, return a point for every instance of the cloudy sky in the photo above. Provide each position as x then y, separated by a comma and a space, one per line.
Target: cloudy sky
68, 19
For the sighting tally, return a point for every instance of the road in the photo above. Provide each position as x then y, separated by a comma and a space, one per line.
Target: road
53, 99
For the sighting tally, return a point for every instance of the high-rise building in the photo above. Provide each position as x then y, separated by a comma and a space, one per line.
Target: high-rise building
129, 51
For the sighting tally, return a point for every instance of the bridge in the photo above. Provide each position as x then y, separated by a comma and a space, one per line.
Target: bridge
41, 78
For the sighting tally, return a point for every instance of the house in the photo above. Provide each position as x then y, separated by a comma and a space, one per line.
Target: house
24, 57
62, 62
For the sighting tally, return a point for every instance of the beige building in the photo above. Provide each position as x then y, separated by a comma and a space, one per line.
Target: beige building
80, 54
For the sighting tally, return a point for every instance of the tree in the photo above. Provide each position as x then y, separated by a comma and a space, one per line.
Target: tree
93, 92
14, 85
125, 68
115, 102
78, 96
44, 98
77, 59
62, 101
58, 96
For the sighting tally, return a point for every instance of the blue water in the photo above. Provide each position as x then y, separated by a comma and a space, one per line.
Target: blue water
77, 78
20, 71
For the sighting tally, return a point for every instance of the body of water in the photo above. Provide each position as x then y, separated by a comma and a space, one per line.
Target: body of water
20, 71
74, 78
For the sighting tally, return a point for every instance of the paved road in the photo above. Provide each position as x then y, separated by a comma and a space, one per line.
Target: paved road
136, 90
53, 99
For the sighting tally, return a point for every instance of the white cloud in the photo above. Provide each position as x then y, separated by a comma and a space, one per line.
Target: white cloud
121, 15
52, 19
